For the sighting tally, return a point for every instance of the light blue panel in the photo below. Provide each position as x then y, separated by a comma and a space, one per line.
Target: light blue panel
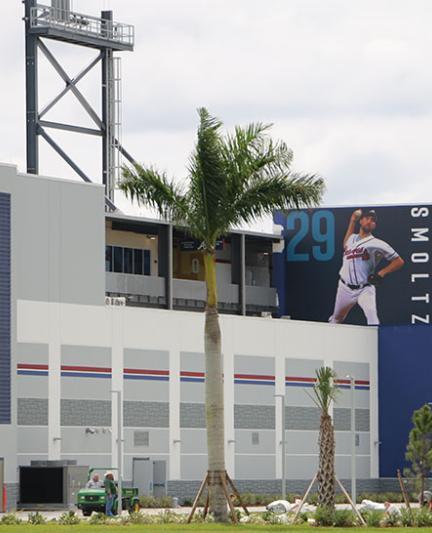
139, 381
245, 441
147, 359
192, 388
86, 356
254, 364
358, 370
255, 466
343, 467
32, 386
193, 467
31, 353
301, 466
254, 389
32, 440
158, 441
302, 442
90, 377
343, 442
193, 440
361, 399
296, 392
77, 439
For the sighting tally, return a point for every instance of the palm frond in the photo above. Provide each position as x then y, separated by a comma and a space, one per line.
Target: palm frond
207, 196
149, 187
268, 193
325, 390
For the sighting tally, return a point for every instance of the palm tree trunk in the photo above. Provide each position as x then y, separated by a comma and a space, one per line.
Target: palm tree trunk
214, 396
326, 471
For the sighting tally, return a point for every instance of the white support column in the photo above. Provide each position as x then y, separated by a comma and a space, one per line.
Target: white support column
228, 369
174, 414
279, 390
117, 364
54, 387
374, 428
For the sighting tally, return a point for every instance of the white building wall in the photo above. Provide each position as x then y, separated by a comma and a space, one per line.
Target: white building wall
161, 354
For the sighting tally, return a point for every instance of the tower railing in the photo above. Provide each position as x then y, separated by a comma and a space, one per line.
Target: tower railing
42, 16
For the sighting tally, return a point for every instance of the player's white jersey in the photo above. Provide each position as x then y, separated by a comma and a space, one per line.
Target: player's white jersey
361, 256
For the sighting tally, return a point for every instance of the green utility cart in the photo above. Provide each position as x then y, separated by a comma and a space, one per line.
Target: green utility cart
90, 500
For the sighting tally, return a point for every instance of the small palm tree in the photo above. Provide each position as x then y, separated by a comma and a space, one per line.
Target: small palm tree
325, 392
232, 179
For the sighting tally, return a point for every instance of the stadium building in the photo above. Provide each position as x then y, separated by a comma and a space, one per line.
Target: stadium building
61, 256
101, 327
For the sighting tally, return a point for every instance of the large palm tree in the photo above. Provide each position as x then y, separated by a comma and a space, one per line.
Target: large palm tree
232, 179
324, 393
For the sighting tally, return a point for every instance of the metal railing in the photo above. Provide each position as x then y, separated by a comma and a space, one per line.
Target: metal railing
42, 16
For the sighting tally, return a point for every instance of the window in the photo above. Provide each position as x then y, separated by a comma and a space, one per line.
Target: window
128, 260
146, 262
118, 259
108, 258
138, 261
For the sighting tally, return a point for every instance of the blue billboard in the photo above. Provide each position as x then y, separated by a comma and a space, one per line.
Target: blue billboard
404, 384
355, 265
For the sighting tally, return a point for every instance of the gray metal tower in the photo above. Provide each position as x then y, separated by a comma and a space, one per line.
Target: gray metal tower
60, 23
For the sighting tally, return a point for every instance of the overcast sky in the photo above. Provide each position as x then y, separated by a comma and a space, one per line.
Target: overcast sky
347, 84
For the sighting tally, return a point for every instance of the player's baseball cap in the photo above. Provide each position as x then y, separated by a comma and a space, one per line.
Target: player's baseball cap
370, 213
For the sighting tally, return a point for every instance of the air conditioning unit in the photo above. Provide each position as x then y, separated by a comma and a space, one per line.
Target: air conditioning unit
119, 301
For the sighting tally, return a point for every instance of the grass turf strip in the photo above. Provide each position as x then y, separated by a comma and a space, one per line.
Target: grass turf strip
204, 528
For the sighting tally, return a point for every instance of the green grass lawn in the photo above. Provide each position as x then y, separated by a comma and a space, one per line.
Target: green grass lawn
205, 528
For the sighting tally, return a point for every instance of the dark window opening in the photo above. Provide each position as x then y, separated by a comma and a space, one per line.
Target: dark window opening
138, 262
118, 259
128, 261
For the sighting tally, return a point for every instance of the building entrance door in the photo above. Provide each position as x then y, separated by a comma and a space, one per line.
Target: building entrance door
159, 479
142, 475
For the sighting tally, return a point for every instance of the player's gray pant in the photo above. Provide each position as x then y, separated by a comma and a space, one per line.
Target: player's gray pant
347, 298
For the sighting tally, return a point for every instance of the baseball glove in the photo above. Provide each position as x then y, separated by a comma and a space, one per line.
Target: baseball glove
375, 279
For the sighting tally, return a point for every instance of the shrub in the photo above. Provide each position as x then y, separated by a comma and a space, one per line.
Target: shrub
167, 517
373, 518
381, 497
10, 519
148, 502
324, 516
423, 518
407, 518
36, 519
69, 519
97, 518
391, 520
166, 502
344, 518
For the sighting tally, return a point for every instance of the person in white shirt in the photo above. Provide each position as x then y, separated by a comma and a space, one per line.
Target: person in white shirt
357, 278
94, 482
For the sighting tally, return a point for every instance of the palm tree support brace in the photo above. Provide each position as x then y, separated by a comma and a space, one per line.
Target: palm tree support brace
216, 477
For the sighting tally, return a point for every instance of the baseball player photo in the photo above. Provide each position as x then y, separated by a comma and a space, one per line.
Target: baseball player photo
358, 277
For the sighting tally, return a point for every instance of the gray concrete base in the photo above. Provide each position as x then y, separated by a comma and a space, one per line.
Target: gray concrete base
188, 489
